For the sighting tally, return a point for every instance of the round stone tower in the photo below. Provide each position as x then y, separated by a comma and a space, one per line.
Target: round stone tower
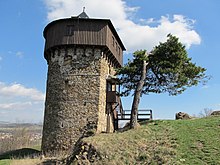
82, 55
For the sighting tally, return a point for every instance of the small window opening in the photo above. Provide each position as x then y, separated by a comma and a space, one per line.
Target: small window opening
69, 30
66, 84
116, 46
61, 125
113, 41
109, 87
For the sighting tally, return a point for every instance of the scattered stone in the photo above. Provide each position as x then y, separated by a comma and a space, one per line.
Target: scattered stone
215, 113
83, 153
182, 116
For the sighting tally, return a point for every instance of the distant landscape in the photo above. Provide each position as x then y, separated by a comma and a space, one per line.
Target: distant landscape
19, 135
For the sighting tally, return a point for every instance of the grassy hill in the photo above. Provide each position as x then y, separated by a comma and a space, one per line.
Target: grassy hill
194, 141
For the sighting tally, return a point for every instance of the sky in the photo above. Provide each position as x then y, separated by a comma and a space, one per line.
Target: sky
141, 24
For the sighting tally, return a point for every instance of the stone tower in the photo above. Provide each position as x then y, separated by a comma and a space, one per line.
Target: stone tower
81, 100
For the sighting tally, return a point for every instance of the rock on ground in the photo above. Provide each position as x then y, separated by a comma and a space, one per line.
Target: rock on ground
182, 116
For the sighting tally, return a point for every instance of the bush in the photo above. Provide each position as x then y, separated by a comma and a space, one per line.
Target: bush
205, 113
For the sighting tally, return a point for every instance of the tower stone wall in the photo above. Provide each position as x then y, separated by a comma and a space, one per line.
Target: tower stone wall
105, 70
76, 96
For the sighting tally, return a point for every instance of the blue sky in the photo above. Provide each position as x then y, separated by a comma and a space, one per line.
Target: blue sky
141, 24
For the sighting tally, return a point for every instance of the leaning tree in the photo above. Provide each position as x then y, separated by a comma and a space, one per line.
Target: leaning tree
167, 68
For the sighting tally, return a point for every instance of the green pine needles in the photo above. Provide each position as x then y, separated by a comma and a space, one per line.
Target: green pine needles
166, 69
169, 69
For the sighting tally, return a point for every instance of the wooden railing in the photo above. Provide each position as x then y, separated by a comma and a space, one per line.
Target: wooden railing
143, 114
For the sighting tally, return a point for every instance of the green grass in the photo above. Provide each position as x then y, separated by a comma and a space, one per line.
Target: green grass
37, 147
20, 156
5, 162
178, 142
199, 141
163, 142
151, 144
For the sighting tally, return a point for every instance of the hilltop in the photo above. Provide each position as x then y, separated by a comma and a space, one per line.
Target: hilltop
158, 142
193, 141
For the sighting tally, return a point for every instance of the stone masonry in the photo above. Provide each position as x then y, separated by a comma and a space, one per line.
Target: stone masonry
76, 97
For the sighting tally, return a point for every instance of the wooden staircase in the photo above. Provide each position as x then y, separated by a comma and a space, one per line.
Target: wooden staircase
116, 109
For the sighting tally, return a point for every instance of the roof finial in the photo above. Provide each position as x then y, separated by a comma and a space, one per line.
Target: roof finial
83, 14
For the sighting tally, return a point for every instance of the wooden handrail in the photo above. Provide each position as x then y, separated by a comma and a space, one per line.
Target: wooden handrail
147, 115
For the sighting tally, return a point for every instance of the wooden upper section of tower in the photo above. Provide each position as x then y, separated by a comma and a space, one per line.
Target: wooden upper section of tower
84, 31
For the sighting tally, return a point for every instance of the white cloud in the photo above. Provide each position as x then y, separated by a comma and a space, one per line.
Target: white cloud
134, 35
20, 102
15, 106
19, 54
205, 87
18, 90
147, 21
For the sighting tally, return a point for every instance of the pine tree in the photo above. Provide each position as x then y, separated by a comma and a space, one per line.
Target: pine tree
167, 68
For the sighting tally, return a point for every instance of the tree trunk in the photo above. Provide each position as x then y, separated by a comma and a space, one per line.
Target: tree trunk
137, 95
